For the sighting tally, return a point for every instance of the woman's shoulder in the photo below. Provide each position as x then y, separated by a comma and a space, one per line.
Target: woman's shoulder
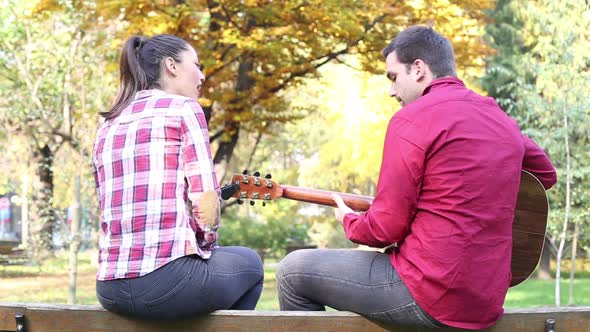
157, 101
169, 100
161, 99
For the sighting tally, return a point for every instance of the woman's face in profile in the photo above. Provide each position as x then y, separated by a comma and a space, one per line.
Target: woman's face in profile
189, 78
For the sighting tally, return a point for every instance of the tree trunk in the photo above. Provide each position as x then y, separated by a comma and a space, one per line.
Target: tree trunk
226, 147
25, 225
573, 265
568, 179
545, 263
207, 111
74, 243
42, 217
94, 238
224, 152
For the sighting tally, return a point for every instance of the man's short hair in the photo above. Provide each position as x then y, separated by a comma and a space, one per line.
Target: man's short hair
420, 42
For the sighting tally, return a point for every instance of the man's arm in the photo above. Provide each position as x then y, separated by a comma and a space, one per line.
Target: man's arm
536, 161
389, 218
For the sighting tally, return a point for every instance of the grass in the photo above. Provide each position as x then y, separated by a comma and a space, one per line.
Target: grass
269, 298
49, 282
536, 293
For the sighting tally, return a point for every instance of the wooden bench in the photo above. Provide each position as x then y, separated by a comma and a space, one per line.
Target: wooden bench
91, 318
10, 253
8, 246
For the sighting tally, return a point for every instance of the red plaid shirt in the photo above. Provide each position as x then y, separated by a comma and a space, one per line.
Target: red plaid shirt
148, 163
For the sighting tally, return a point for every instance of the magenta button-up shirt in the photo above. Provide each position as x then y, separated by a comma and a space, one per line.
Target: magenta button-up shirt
446, 195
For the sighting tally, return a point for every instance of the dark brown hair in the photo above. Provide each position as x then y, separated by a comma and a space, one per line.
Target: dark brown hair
141, 61
420, 42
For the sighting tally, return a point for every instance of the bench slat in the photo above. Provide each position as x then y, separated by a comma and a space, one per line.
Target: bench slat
57, 317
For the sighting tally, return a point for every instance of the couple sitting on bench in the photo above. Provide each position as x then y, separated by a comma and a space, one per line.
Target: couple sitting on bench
444, 203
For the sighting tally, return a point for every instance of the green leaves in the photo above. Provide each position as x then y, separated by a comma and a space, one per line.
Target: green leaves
539, 75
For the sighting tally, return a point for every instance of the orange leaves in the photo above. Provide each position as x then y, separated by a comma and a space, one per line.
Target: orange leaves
266, 47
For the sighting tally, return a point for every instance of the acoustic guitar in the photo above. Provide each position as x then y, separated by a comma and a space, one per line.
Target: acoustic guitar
528, 229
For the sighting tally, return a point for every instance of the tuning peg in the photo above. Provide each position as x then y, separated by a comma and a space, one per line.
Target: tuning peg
252, 203
245, 172
256, 174
268, 176
240, 201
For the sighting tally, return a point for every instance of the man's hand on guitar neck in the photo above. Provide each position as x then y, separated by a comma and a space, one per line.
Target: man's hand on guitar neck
342, 208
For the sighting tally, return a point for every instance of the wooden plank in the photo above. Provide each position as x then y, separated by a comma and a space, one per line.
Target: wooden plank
8, 246
567, 319
54, 317
65, 318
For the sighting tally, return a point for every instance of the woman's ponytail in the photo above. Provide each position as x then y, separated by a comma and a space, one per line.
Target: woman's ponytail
141, 61
132, 78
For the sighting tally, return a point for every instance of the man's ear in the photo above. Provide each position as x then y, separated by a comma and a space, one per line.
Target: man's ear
419, 68
170, 65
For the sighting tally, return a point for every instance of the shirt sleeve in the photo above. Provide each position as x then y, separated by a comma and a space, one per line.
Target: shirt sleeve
538, 163
388, 219
203, 188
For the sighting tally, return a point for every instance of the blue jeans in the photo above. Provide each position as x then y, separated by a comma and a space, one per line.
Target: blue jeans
364, 282
230, 279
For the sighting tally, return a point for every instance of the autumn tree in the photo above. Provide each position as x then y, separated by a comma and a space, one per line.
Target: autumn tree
253, 50
52, 80
53, 59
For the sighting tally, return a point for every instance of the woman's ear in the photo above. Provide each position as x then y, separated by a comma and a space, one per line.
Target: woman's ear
170, 66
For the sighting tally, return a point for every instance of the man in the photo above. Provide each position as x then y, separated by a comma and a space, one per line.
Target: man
444, 205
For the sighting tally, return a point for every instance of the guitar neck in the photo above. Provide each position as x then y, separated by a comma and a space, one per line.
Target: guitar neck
322, 197
528, 228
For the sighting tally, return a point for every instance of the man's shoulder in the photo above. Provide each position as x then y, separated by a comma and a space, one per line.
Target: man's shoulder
445, 100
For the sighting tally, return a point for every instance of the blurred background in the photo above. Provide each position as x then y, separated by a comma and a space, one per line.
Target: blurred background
295, 88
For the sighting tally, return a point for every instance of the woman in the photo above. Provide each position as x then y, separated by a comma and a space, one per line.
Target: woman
159, 196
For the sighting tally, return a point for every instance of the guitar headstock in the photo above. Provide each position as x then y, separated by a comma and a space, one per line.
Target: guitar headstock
253, 187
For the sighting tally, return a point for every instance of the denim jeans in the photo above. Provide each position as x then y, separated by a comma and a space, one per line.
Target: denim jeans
364, 282
230, 279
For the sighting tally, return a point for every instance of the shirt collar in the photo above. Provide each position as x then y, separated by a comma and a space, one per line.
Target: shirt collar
441, 82
142, 94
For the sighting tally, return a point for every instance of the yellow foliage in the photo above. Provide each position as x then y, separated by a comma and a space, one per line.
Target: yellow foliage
254, 49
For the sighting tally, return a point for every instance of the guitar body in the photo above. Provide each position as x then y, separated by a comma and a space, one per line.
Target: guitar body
528, 229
